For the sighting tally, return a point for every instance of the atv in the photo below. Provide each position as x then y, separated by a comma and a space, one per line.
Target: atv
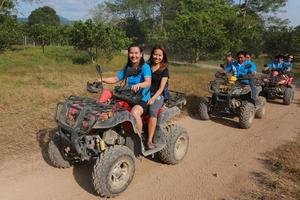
278, 84
104, 132
231, 98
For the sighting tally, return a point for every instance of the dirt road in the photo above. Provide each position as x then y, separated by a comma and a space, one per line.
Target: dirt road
218, 165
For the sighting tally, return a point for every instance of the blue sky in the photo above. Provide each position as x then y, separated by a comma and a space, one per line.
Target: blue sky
80, 9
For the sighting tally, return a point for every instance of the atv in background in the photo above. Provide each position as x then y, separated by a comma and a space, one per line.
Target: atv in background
230, 98
104, 131
278, 85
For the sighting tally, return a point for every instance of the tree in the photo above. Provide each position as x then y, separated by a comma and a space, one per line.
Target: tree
198, 30
10, 31
44, 15
97, 38
43, 35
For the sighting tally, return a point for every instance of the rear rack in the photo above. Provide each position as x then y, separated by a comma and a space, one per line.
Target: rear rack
176, 99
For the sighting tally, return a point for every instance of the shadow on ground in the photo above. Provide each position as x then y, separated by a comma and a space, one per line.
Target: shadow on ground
43, 137
225, 121
82, 173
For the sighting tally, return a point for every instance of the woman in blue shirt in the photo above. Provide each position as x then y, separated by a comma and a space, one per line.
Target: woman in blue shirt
140, 81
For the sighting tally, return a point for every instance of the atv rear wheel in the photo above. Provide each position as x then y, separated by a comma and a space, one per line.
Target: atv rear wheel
54, 153
261, 101
177, 140
113, 171
288, 96
247, 114
203, 109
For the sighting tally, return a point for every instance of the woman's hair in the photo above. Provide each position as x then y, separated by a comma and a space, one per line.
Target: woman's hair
142, 61
164, 62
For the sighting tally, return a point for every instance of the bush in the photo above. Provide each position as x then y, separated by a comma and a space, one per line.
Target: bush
81, 58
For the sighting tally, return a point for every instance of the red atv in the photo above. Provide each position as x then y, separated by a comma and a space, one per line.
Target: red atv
104, 131
278, 84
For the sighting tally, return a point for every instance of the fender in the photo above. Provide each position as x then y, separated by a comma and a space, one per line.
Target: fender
118, 118
168, 114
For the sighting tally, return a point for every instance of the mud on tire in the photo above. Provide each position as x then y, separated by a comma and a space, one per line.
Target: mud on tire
177, 140
113, 171
288, 96
203, 109
247, 114
261, 111
55, 156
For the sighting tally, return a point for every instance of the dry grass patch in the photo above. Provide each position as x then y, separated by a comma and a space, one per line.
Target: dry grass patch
281, 180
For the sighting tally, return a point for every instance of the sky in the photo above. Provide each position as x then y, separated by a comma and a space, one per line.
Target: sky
80, 9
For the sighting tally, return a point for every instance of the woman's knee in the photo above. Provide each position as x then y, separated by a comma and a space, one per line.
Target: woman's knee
137, 111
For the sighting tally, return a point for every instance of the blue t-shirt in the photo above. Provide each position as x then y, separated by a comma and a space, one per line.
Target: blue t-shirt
145, 72
252, 64
288, 64
240, 70
277, 66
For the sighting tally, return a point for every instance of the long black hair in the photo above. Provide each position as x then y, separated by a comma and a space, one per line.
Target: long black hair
164, 62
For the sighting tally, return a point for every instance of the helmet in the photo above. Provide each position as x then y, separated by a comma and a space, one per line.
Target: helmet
94, 87
232, 79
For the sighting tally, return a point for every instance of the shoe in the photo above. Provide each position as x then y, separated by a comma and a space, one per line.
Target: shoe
150, 145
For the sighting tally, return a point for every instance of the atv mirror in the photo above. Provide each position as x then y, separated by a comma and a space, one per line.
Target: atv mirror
99, 71
98, 68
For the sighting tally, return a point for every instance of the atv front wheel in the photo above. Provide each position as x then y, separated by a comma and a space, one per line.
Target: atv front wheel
203, 109
177, 145
113, 171
247, 114
54, 153
261, 101
288, 96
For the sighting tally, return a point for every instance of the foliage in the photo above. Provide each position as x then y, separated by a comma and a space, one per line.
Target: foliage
44, 15
97, 38
43, 34
10, 31
198, 31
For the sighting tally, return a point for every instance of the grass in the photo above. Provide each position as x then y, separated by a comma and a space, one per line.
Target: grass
281, 180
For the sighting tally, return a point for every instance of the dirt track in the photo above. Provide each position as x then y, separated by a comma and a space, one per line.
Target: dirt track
218, 165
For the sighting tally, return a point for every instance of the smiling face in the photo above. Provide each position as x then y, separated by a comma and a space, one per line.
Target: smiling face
241, 58
158, 56
135, 55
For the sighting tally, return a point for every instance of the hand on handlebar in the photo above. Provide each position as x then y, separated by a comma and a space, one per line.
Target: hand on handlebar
136, 87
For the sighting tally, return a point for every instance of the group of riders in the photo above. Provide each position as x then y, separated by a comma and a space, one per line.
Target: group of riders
152, 79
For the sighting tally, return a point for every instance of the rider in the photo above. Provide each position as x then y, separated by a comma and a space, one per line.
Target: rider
160, 74
277, 65
140, 81
248, 56
242, 69
289, 63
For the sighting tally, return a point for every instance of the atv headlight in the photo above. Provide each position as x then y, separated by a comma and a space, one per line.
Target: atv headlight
237, 91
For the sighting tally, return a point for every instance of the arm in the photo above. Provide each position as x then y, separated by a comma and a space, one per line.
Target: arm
110, 80
162, 86
146, 71
114, 79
